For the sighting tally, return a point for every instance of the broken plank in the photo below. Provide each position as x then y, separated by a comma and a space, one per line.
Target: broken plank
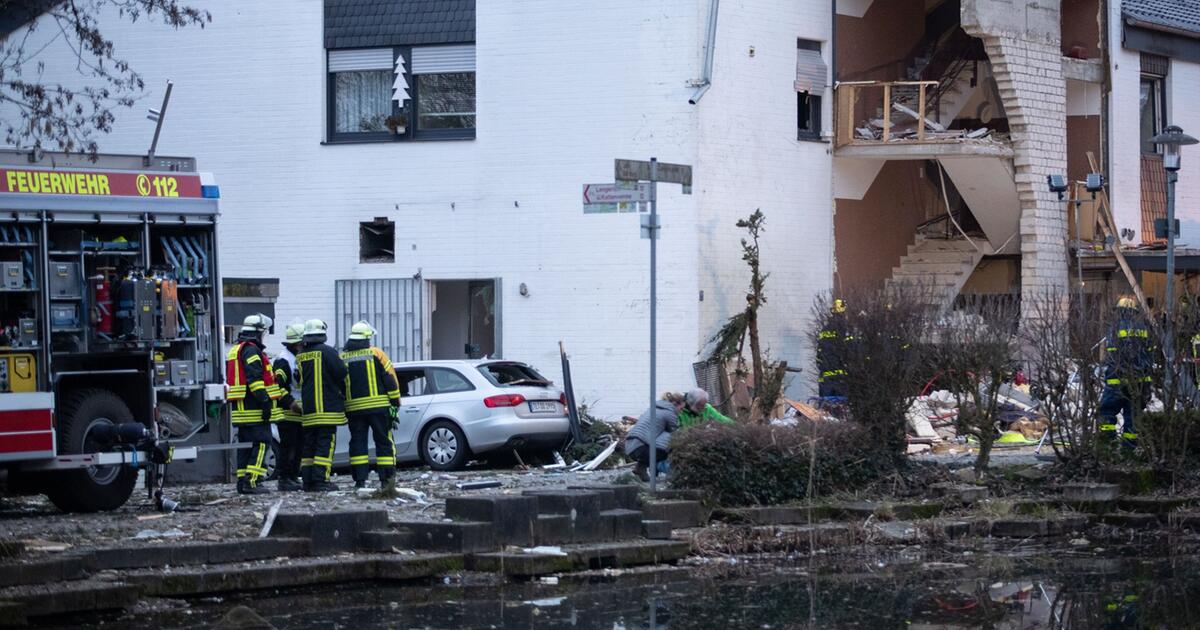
934, 125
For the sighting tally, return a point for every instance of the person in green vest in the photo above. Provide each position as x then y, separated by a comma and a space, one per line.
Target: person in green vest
696, 410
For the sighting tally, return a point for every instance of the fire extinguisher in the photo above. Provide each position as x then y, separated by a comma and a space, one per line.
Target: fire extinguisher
102, 305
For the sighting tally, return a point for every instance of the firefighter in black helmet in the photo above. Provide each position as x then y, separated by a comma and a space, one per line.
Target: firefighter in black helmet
831, 367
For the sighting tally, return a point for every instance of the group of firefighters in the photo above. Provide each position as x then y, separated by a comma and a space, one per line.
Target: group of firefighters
307, 392
1128, 366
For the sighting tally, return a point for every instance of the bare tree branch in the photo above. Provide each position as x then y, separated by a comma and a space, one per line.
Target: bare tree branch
61, 115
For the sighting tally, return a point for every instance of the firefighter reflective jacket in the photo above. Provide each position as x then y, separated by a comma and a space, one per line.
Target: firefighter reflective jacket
251, 384
283, 369
370, 380
322, 385
1130, 347
831, 349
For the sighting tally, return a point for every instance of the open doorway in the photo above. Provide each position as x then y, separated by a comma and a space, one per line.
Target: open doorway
464, 322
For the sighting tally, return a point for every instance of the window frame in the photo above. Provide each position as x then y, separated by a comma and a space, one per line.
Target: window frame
412, 130
424, 376
813, 132
1158, 87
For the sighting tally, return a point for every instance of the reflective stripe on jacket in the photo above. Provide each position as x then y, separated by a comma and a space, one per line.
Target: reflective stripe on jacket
251, 384
322, 385
285, 376
370, 378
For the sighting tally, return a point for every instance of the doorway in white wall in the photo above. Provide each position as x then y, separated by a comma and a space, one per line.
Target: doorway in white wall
465, 319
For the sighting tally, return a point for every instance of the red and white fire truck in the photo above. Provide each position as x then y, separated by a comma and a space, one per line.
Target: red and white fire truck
110, 322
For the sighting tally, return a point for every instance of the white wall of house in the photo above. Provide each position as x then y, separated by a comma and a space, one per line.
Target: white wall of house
1125, 186
750, 158
1183, 95
562, 89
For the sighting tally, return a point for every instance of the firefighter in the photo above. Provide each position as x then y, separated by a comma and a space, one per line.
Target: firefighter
252, 396
291, 433
831, 381
1127, 369
372, 398
322, 376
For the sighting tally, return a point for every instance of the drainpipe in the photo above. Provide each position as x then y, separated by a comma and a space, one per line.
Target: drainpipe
706, 80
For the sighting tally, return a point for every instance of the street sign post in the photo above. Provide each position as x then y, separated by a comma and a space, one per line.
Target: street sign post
653, 172
620, 192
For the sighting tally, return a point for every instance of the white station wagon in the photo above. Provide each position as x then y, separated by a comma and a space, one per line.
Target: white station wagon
451, 411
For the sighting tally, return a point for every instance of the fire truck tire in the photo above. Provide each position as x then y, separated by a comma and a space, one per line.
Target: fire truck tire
99, 488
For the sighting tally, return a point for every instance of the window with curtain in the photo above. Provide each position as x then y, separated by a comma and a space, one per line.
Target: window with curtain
361, 89
1152, 108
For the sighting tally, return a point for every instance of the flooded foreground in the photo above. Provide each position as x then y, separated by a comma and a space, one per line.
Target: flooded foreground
1050, 587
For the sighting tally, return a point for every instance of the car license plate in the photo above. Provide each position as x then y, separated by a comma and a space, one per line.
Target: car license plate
542, 406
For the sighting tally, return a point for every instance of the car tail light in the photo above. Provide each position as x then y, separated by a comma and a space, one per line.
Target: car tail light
562, 398
503, 400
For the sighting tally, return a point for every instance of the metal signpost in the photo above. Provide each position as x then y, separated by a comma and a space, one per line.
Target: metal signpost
653, 172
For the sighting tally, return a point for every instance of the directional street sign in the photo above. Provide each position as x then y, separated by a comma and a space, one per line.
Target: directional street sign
639, 170
620, 192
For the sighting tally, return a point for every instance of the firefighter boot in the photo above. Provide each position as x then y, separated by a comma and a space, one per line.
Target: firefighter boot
289, 485
245, 486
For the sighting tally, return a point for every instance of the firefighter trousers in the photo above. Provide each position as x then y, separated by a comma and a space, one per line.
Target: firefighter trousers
317, 457
251, 462
378, 424
291, 443
1125, 400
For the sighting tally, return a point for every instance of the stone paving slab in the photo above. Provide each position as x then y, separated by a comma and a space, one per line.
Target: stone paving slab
330, 532
656, 530
774, 515
513, 518
189, 553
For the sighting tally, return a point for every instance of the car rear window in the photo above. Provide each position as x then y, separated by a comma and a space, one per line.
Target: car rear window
513, 375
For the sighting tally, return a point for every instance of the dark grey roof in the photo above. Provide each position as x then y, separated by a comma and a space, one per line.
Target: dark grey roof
361, 23
1177, 15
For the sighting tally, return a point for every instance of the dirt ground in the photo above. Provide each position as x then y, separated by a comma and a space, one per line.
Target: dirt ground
212, 512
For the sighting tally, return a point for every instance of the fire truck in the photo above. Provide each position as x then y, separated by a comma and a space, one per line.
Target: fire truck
110, 323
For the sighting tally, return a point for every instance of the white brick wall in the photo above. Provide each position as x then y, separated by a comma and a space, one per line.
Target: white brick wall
750, 158
1125, 182
563, 88
1183, 109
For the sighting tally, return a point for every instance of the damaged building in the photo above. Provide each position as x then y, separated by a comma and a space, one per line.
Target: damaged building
950, 116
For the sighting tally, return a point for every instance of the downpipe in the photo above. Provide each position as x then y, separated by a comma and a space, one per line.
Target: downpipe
706, 79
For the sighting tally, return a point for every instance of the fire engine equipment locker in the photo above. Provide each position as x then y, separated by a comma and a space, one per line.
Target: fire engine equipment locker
64, 279
169, 297
18, 373
146, 305
14, 275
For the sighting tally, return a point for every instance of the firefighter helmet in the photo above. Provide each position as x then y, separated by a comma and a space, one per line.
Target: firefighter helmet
1127, 302
294, 333
257, 323
839, 306
315, 327
362, 330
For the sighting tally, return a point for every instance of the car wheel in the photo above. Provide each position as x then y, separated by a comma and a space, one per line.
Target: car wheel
271, 461
443, 446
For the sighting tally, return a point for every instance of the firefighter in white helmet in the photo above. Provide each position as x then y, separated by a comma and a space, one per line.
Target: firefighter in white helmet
372, 397
323, 401
291, 435
252, 395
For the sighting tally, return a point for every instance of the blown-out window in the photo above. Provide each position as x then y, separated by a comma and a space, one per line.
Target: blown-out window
444, 89
810, 86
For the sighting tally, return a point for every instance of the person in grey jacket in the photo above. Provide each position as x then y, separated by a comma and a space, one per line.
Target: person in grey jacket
660, 420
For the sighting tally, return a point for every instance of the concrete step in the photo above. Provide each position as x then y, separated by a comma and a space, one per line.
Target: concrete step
513, 518
929, 269
329, 532
188, 553
656, 530
626, 524
574, 503
581, 557
624, 496
936, 257
681, 514
774, 515
941, 245
456, 537
41, 600
43, 571
385, 540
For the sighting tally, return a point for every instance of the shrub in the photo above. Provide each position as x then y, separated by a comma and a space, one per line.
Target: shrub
883, 353
753, 464
1169, 440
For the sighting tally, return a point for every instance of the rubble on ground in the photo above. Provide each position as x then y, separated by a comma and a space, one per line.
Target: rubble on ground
215, 512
